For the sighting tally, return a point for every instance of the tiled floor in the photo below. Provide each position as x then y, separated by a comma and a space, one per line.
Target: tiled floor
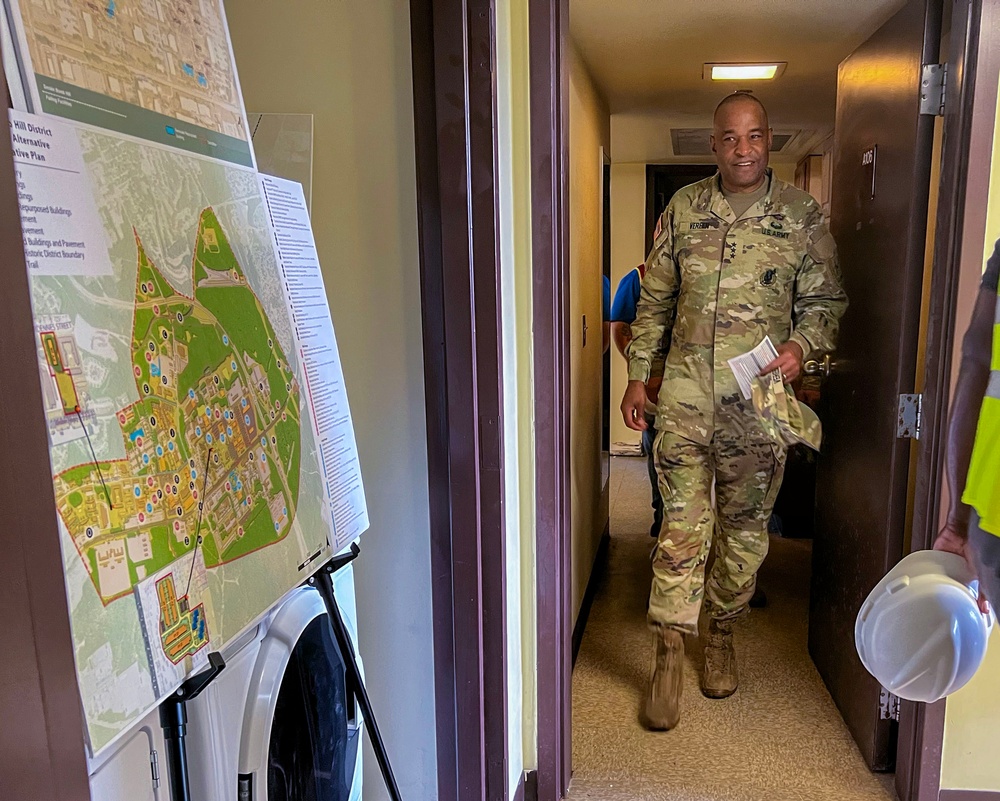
779, 738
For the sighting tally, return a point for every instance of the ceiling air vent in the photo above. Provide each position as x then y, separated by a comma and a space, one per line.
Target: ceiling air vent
698, 142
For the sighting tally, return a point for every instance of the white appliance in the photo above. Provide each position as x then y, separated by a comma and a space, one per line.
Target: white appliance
280, 723
133, 769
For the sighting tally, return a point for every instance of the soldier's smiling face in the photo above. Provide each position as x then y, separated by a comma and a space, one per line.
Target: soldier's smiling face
741, 141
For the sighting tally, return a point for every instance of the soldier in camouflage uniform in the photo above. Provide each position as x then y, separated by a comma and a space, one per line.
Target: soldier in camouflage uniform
739, 256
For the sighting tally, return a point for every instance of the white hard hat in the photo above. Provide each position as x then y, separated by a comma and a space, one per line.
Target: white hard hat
920, 633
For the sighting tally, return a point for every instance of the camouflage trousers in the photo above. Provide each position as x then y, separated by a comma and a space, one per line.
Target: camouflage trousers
747, 475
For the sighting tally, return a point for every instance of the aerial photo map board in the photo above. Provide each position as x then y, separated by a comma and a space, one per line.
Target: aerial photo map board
162, 70
194, 479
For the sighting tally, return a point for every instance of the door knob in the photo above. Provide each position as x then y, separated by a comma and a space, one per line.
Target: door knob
821, 367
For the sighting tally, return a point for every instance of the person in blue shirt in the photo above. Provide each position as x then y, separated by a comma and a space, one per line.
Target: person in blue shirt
622, 315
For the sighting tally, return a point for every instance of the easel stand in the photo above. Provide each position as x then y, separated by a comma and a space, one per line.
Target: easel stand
173, 719
173, 711
323, 581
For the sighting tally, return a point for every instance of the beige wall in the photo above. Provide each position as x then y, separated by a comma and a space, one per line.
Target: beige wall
992, 231
628, 243
349, 65
514, 188
784, 171
972, 726
972, 717
589, 131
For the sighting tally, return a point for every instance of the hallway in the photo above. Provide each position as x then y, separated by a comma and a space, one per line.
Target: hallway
779, 738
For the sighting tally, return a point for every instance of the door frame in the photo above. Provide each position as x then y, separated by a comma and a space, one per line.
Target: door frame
453, 51
456, 150
548, 30
922, 727
606, 260
961, 205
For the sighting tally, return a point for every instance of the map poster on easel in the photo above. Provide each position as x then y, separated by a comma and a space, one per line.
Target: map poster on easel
202, 451
159, 71
187, 474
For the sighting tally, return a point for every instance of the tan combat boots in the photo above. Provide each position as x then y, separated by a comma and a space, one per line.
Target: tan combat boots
720, 677
662, 708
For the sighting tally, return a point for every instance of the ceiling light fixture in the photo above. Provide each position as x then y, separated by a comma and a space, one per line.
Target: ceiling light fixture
744, 72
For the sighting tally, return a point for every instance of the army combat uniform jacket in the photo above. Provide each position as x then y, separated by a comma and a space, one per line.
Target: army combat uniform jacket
715, 286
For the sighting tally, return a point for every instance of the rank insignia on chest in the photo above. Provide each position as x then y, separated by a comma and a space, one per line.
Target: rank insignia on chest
767, 277
700, 226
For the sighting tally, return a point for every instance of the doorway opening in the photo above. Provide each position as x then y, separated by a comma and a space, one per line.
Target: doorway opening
831, 107
471, 714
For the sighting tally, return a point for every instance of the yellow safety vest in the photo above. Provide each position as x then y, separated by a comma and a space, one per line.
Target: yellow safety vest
982, 489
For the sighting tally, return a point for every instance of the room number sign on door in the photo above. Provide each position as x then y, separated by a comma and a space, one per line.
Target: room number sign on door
868, 164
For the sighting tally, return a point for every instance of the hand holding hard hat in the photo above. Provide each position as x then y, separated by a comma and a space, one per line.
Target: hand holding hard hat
786, 421
921, 632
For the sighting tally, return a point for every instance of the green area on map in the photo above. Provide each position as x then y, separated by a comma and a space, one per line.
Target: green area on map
213, 445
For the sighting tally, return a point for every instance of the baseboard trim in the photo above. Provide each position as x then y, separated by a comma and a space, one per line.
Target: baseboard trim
969, 795
596, 573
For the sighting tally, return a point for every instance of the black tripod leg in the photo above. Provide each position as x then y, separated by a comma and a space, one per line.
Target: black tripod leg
324, 583
173, 719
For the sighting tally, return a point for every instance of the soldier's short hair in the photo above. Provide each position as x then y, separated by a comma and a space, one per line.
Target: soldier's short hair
737, 96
